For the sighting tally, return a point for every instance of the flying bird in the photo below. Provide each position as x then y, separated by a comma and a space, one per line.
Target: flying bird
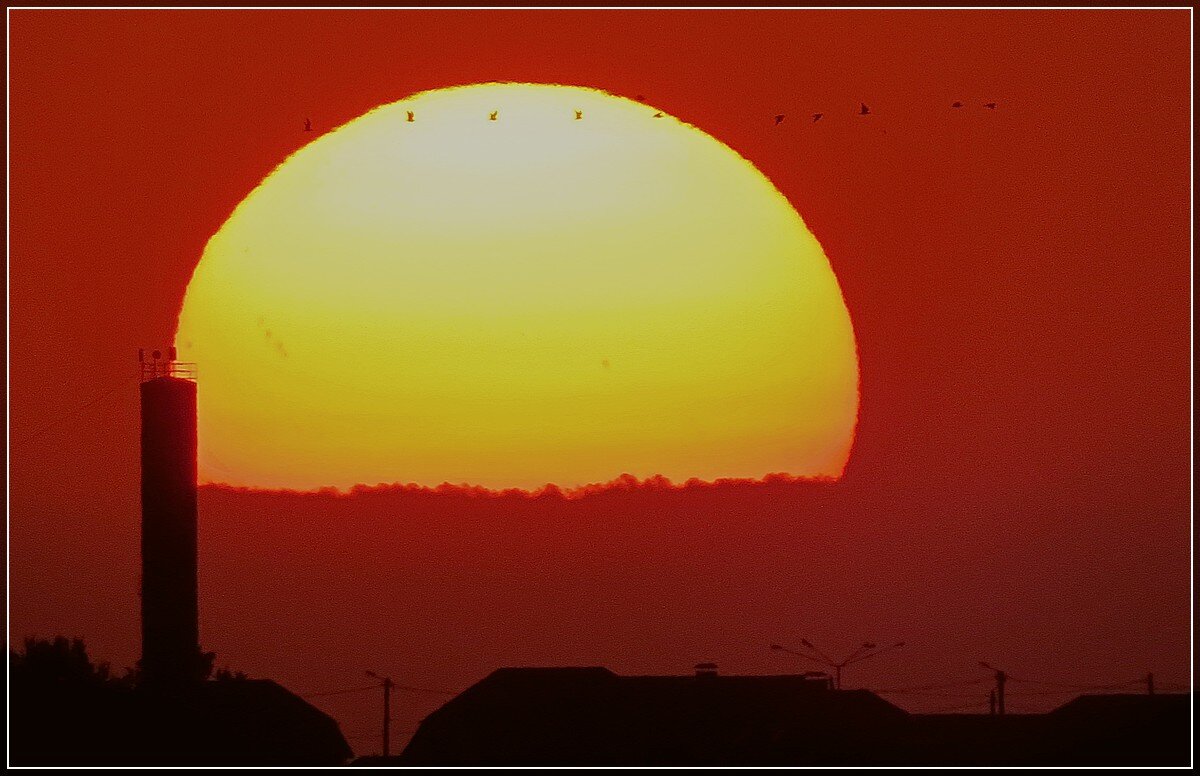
658, 115
779, 119
492, 116
307, 125
817, 117
863, 110
956, 105
990, 105
578, 115
411, 117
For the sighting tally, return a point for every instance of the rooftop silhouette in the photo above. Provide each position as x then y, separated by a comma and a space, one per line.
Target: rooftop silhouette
591, 716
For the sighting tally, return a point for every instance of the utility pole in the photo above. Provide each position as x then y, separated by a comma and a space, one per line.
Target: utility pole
992, 703
1001, 678
388, 684
387, 717
1150, 683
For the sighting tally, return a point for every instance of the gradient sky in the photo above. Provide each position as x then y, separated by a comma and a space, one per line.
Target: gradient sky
1018, 281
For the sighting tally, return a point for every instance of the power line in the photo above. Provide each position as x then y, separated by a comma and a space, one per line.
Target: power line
936, 694
342, 691
1027, 693
947, 685
918, 692
375, 734
411, 688
72, 414
960, 707
1071, 686
408, 687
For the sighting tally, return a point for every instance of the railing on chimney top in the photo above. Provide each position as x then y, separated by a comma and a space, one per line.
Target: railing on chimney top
153, 366
154, 369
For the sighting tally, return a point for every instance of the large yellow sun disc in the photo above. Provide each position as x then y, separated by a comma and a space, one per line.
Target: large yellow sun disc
510, 285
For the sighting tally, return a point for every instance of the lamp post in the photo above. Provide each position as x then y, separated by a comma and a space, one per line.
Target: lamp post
865, 650
387, 710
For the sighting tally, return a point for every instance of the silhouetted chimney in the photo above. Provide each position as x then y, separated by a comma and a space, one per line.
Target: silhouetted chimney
170, 617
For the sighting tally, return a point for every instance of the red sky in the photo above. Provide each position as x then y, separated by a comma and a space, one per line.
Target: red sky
1018, 281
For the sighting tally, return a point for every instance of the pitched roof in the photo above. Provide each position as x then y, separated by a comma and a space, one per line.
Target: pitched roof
590, 715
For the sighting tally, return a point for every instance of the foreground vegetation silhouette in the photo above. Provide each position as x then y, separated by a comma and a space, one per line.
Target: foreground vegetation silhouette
66, 710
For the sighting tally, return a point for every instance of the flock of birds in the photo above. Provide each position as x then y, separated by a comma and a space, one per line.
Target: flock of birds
493, 116
863, 110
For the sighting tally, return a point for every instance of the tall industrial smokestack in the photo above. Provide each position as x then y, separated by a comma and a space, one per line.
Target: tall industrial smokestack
170, 616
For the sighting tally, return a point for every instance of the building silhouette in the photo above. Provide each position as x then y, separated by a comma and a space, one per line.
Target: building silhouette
591, 716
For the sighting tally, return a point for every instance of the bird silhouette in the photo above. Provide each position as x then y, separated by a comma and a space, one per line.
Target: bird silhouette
492, 116
779, 119
658, 115
411, 116
307, 125
956, 105
990, 105
817, 117
578, 115
863, 110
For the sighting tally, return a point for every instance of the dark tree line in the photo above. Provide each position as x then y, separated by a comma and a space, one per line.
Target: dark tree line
66, 709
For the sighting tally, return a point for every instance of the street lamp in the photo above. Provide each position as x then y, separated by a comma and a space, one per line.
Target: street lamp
865, 650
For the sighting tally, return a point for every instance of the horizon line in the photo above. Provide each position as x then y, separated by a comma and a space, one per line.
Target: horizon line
625, 482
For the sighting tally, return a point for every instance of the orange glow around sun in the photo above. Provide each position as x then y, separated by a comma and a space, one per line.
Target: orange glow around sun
510, 285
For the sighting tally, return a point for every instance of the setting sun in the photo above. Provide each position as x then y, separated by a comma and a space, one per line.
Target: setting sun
510, 285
